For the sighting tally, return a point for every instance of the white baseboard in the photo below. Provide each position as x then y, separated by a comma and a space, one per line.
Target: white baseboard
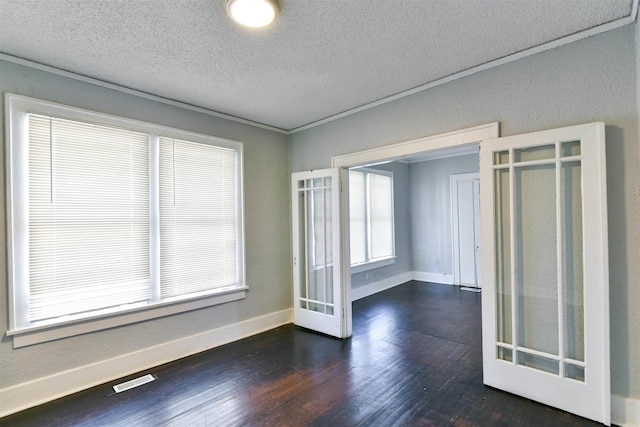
424, 276
36, 392
625, 411
379, 286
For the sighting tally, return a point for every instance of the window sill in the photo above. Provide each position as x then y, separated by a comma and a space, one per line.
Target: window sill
39, 334
359, 268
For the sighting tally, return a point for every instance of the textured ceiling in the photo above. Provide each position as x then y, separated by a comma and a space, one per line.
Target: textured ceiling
322, 57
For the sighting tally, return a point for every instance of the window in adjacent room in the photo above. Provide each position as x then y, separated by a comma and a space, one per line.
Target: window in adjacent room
371, 217
109, 216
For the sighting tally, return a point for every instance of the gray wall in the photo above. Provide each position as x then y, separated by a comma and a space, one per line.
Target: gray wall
268, 270
402, 228
430, 206
590, 80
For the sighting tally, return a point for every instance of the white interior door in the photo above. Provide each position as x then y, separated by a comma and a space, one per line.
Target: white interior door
465, 197
545, 302
318, 299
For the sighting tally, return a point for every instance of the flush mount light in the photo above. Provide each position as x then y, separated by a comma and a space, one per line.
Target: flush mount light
253, 13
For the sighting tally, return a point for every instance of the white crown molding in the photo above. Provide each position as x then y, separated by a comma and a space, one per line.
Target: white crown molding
482, 67
134, 92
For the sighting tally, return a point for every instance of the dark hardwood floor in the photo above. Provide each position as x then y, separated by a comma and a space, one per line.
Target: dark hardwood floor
414, 359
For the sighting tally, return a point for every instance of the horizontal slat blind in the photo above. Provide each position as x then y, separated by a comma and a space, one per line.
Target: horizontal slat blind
380, 216
88, 217
371, 216
198, 218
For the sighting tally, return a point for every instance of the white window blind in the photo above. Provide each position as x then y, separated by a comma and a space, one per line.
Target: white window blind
371, 216
198, 218
380, 216
88, 217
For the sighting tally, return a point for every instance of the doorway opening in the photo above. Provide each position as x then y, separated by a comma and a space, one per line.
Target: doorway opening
452, 144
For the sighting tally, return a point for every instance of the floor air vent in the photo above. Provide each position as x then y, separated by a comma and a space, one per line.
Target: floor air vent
464, 288
136, 382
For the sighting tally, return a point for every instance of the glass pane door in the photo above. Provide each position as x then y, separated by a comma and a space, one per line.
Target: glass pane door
540, 191
317, 251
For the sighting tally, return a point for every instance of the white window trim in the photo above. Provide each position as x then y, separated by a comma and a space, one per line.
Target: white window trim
38, 334
372, 264
17, 108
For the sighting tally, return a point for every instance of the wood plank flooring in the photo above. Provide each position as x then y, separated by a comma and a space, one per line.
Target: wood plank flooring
414, 359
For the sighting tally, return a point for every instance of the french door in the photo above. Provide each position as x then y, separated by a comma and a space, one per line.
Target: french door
545, 302
318, 295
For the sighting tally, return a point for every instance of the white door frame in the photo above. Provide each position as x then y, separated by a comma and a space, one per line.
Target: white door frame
455, 246
459, 142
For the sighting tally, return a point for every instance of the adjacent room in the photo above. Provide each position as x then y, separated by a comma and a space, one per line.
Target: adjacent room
366, 212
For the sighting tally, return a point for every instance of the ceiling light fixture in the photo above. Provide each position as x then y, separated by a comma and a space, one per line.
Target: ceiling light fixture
253, 13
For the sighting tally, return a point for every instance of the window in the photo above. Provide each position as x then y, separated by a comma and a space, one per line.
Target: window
198, 220
108, 215
371, 216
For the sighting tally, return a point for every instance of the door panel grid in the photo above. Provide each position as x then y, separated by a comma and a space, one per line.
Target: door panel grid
317, 294
543, 217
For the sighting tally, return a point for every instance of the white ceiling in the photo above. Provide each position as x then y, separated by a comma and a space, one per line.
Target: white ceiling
322, 58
